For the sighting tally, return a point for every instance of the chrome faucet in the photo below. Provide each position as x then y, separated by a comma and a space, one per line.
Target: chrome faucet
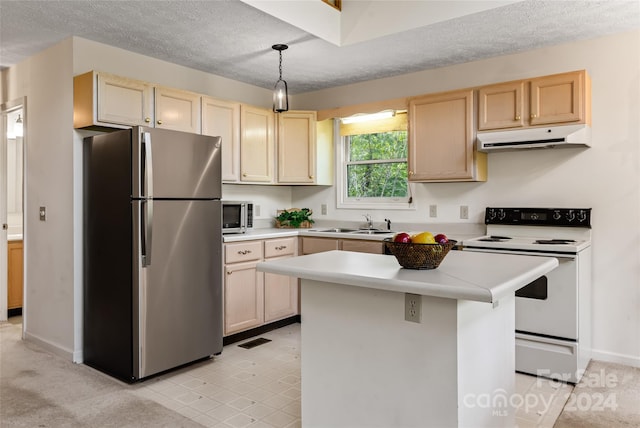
369, 221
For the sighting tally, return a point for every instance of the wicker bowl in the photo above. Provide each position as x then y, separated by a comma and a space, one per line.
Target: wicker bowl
419, 256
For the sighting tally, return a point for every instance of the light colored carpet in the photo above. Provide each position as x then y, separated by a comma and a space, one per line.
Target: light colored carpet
607, 396
38, 389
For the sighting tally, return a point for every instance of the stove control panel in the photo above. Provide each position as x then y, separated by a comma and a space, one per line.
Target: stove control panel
569, 217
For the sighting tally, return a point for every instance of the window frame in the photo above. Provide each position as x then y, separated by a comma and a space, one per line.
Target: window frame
343, 201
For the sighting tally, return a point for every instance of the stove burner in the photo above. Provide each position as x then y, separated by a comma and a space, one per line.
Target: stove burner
494, 238
555, 241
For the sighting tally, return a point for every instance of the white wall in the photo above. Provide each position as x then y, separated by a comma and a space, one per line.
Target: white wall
605, 177
45, 81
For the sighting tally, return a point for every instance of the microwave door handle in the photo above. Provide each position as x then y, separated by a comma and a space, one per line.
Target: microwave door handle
147, 212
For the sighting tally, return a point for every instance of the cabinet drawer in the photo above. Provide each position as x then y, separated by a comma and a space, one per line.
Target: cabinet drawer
243, 251
279, 247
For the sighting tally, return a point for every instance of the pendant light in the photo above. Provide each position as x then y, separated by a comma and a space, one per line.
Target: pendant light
280, 92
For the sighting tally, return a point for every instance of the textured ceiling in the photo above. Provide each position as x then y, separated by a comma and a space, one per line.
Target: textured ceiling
232, 39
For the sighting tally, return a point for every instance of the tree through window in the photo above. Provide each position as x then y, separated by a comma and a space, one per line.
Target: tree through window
376, 165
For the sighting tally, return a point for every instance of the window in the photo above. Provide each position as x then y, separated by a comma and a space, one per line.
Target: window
373, 163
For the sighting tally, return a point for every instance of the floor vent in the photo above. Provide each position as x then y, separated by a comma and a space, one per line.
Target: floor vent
253, 343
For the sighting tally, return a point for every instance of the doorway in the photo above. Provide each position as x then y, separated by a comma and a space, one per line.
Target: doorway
12, 161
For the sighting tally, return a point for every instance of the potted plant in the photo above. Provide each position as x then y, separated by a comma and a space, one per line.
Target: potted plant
294, 218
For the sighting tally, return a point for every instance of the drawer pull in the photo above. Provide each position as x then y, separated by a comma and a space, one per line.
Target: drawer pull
243, 252
281, 247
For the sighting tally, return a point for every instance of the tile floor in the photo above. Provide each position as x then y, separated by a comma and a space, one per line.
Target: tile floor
260, 388
257, 388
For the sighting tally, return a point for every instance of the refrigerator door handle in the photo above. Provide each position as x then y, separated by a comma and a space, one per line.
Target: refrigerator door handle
147, 222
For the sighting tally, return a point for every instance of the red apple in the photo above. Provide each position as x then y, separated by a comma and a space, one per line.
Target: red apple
441, 238
402, 237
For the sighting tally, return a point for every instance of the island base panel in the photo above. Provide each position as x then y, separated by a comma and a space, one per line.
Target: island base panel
364, 365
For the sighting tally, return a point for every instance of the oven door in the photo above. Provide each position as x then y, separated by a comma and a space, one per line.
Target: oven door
548, 306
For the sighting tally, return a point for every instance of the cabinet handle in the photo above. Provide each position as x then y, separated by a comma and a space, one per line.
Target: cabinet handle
243, 252
160, 122
244, 174
533, 116
410, 172
229, 273
281, 247
517, 117
147, 119
311, 177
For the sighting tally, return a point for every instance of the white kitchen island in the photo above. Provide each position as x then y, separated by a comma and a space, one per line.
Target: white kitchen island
364, 365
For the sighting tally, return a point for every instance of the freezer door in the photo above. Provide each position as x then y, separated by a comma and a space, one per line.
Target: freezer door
179, 292
172, 164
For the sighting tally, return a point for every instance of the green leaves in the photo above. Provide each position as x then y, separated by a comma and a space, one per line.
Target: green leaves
294, 217
377, 165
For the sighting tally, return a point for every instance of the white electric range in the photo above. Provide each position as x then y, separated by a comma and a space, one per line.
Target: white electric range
553, 313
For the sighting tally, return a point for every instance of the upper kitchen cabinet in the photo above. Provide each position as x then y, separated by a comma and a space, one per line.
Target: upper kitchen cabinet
177, 110
296, 147
441, 139
222, 118
305, 148
105, 100
555, 99
256, 144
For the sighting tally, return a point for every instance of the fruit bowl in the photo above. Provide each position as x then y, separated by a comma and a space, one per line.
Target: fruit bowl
419, 256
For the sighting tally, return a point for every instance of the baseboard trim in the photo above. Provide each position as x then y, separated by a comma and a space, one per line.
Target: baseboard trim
611, 357
67, 354
247, 334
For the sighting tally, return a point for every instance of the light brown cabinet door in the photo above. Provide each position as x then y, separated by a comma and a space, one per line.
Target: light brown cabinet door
222, 118
558, 98
15, 274
103, 99
441, 138
243, 297
280, 295
501, 106
177, 110
297, 147
374, 247
256, 144
319, 245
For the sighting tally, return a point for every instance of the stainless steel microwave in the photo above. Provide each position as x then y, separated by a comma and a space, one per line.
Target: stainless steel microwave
237, 216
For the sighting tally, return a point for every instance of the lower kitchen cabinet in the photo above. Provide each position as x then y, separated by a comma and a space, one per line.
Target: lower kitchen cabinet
253, 298
280, 295
319, 245
243, 297
15, 274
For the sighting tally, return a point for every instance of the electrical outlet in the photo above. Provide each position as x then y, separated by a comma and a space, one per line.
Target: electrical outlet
256, 210
433, 211
464, 212
412, 307
323, 209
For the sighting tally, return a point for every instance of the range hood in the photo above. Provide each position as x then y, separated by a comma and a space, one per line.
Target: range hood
535, 138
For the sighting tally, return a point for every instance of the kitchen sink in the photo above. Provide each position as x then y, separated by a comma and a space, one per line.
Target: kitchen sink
373, 231
336, 230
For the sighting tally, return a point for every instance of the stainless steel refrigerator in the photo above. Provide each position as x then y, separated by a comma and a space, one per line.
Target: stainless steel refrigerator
152, 251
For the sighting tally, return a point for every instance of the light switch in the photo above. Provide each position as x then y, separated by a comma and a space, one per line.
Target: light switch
43, 213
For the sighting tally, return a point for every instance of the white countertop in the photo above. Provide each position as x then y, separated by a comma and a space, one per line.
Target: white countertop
465, 275
14, 237
267, 233
264, 233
